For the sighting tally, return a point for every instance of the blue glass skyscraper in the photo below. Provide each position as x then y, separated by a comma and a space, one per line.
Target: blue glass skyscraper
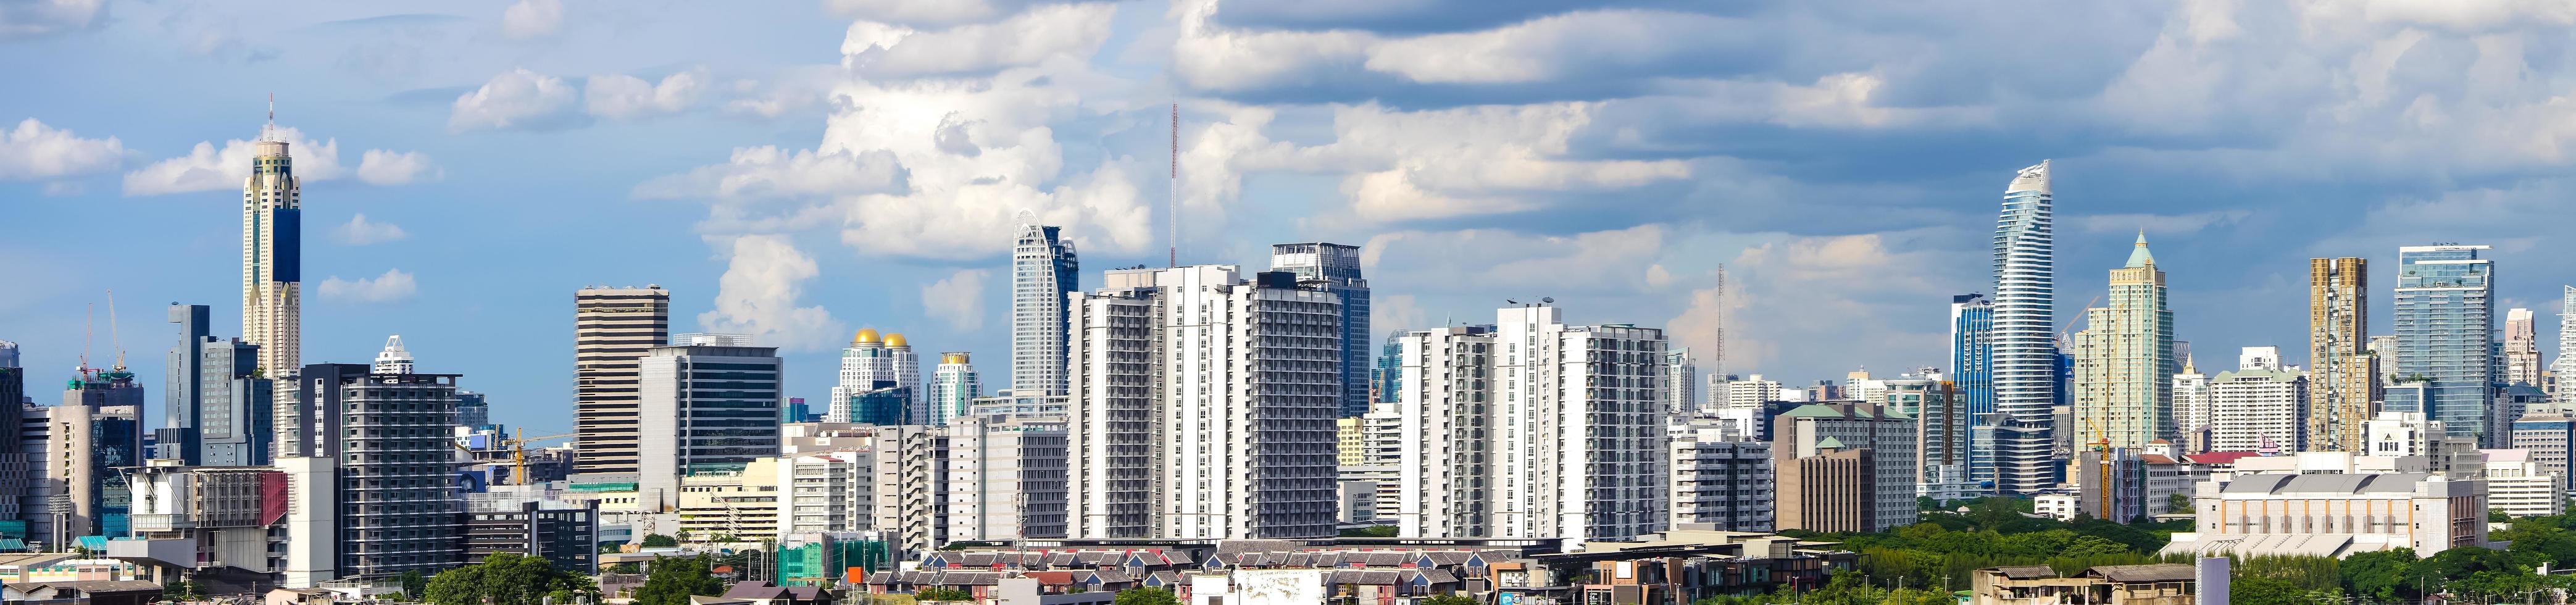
2445, 323
1972, 326
1336, 267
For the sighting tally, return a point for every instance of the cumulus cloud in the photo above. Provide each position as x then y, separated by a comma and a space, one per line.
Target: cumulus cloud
32, 18
387, 167
532, 18
395, 285
1074, 30
769, 171
36, 151
624, 97
759, 291
208, 168
1491, 259
1558, 46
359, 231
516, 99
957, 299
924, 11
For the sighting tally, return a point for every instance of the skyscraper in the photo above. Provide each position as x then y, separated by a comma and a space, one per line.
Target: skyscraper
953, 388
1972, 328
13, 464
2346, 382
2445, 324
1204, 406
2025, 361
362, 510
612, 329
2124, 363
2521, 349
1044, 269
1335, 268
394, 359
2564, 371
2258, 404
1681, 383
272, 252
873, 362
704, 408
218, 406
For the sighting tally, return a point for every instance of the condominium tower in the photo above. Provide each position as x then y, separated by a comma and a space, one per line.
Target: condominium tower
873, 362
2564, 371
2521, 349
373, 489
2445, 321
2124, 364
1203, 406
2024, 344
953, 388
1043, 270
272, 252
2345, 374
612, 329
1335, 268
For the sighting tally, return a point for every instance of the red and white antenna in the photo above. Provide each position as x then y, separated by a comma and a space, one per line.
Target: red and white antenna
269, 132
1172, 192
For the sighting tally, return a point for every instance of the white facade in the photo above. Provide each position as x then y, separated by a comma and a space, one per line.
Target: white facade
2521, 487
871, 362
312, 520
1005, 479
2257, 404
2335, 515
1731, 393
1203, 405
1681, 381
2563, 371
1723, 482
1572, 426
272, 246
2191, 409
1044, 268
823, 490
703, 408
394, 359
2024, 354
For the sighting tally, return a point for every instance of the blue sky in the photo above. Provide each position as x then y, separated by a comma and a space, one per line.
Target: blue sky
803, 169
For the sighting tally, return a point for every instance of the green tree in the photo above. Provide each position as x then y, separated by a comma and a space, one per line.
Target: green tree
2265, 591
1145, 596
413, 582
507, 579
660, 541
941, 594
1373, 531
674, 579
2178, 503
1450, 599
2379, 575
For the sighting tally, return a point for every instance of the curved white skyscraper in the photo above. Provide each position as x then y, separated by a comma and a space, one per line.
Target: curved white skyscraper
272, 242
1043, 270
2024, 341
2565, 371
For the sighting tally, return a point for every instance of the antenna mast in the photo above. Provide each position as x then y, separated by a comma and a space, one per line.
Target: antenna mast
1172, 192
112, 340
1717, 358
269, 132
89, 321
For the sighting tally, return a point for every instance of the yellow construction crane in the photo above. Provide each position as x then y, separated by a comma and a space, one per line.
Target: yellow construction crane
518, 445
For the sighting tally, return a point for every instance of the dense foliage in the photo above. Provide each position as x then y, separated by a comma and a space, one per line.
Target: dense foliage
672, 580
1145, 596
660, 541
1948, 546
1450, 599
941, 594
508, 579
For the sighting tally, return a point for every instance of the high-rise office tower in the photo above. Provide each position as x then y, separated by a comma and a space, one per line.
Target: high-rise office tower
873, 362
2521, 349
74, 450
1681, 383
1972, 328
394, 359
953, 388
612, 329
218, 403
1044, 269
272, 252
1844, 467
472, 410
704, 408
13, 462
2445, 323
1204, 406
2345, 385
1500, 442
2124, 363
2025, 356
367, 459
2564, 370
1336, 268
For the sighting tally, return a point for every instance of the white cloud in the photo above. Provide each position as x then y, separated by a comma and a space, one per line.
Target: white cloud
207, 169
923, 11
957, 299
1553, 47
1491, 259
2159, 224
532, 18
31, 18
387, 167
759, 292
36, 151
624, 97
769, 171
394, 285
359, 231
1216, 57
516, 99
1072, 30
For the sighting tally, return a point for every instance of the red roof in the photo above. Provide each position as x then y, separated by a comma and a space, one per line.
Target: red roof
2219, 457
2155, 459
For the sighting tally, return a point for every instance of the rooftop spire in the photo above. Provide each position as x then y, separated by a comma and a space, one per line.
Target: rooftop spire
2139, 257
269, 131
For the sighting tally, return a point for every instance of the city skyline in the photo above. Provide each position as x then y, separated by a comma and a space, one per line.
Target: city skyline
423, 222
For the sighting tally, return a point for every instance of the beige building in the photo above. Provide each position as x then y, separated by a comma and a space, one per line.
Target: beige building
2340, 363
272, 276
612, 330
2335, 515
2520, 486
2162, 584
1844, 466
739, 505
2124, 360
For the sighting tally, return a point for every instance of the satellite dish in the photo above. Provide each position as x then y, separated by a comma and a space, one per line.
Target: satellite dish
1549, 300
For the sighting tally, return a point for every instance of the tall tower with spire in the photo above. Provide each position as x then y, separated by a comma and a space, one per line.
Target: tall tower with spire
2124, 361
2024, 342
272, 252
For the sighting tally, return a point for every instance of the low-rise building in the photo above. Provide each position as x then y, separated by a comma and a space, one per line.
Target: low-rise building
2519, 486
2335, 515
2162, 584
563, 532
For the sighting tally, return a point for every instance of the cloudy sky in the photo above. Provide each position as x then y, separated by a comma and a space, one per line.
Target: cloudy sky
799, 170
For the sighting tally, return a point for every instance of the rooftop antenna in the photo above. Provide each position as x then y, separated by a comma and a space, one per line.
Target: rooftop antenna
112, 340
1717, 358
1172, 192
269, 132
89, 321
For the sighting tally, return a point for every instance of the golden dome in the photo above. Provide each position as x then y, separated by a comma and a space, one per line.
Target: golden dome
953, 358
866, 335
896, 340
